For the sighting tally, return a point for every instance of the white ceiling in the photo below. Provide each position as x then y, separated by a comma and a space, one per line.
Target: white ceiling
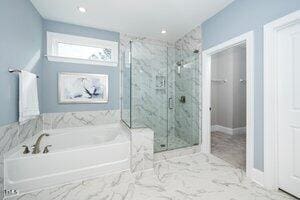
137, 17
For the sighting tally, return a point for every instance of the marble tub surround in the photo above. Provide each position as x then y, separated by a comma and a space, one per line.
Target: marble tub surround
13, 135
79, 119
197, 176
141, 149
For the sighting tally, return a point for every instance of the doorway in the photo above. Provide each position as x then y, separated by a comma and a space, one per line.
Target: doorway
246, 39
228, 105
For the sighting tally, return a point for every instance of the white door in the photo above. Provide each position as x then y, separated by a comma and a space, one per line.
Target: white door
288, 55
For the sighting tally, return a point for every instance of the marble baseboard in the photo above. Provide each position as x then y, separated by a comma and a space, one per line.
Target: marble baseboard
141, 149
79, 119
165, 155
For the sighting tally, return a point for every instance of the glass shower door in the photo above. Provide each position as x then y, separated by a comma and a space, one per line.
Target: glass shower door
186, 99
164, 94
150, 90
126, 83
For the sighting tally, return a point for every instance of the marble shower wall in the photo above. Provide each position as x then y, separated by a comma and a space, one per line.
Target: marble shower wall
187, 83
13, 135
150, 86
154, 79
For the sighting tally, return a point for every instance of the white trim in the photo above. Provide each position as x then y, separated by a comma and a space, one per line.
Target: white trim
52, 48
270, 98
80, 61
247, 38
258, 176
227, 130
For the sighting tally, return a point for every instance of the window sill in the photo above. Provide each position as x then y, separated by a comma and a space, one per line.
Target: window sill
80, 61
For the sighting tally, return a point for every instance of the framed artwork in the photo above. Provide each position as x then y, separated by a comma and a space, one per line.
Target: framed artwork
82, 88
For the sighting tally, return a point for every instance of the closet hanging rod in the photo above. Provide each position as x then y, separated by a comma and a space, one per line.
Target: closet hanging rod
17, 71
219, 80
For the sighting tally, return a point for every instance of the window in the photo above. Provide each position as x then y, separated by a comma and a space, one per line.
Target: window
83, 50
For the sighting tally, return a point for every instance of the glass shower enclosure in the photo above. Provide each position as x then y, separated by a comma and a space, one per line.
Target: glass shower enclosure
160, 90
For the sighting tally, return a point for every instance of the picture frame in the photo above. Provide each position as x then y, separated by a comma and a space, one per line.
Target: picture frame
79, 88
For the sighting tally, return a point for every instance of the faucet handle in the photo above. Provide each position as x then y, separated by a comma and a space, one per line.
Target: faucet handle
46, 150
26, 150
33, 147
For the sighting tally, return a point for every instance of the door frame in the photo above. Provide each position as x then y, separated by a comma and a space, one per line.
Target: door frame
247, 38
270, 98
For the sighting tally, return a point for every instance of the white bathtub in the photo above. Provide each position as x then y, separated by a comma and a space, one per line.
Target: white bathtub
76, 154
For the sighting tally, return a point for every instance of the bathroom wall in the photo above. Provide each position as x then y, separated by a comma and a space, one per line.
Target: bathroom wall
52, 69
20, 47
187, 83
240, 17
229, 99
24, 46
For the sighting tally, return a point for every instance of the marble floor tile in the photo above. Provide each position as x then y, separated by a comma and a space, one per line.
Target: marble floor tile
192, 177
172, 142
230, 148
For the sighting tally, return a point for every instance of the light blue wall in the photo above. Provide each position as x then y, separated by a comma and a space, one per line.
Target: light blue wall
239, 17
51, 70
20, 46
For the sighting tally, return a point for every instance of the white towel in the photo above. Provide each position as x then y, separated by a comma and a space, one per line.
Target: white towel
28, 97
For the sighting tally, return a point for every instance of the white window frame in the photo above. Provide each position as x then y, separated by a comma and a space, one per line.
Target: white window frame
52, 48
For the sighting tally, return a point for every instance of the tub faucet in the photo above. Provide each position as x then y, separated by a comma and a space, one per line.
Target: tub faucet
36, 146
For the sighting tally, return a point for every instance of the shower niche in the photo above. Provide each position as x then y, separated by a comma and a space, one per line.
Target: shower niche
160, 82
155, 95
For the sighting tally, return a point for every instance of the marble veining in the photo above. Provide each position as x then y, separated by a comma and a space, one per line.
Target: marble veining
173, 143
79, 119
154, 60
196, 176
187, 83
141, 149
14, 134
167, 155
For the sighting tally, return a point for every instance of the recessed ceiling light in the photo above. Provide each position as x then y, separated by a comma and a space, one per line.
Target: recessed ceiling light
81, 9
163, 31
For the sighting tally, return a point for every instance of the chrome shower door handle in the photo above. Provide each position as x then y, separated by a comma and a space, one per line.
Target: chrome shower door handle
170, 103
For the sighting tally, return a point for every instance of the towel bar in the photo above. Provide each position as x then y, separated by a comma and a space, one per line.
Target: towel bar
16, 71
